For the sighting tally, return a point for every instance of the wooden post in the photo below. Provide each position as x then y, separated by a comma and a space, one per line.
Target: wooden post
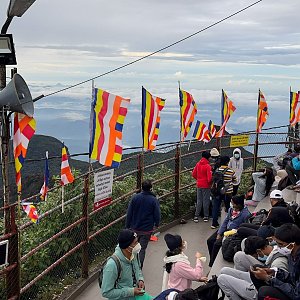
140, 169
85, 229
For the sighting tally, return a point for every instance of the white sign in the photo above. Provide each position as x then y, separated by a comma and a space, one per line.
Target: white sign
103, 182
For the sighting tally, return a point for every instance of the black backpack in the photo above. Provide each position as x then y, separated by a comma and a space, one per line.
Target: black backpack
218, 186
259, 217
119, 267
210, 290
230, 246
294, 211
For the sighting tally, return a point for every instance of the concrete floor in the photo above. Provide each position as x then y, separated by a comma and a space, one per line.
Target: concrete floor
195, 234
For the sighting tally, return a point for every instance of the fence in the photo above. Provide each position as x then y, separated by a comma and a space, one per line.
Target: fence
64, 248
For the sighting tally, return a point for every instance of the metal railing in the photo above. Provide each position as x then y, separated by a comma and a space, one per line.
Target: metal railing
64, 248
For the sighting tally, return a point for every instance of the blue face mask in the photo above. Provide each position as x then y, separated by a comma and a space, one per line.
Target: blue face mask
272, 243
262, 259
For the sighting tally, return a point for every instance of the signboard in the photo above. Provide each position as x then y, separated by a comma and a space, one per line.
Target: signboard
239, 140
3, 253
103, 182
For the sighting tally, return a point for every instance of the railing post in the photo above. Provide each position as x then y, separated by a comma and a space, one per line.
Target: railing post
140, 169
13, 276
255, 153
85, 230
177, 182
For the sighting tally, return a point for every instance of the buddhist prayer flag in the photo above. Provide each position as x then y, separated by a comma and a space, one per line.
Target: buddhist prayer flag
227, 110
262, 112
294, 108
188, 110
66, 175
106, 124
201, 132
44, 189
151, 108
31, 212
24, 129
212, 129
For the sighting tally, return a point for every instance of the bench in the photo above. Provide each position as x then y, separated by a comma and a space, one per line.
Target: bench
220, 262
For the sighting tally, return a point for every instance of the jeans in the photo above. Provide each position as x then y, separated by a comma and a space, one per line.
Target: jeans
217, 201
143, 239
236, 284
203, 202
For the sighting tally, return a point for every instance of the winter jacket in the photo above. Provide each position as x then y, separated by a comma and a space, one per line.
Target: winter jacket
296, 163
276, 259
278, 216
237, 165
202, 173
229, 178
234, 223
289, 282
259, 192
143, 212
124, 289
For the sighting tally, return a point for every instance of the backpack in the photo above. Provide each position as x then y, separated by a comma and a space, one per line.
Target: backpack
119, 268
294, 211
209, 291
218, 186
230, 246
259, 217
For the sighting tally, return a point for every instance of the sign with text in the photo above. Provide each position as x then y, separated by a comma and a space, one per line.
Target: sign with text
103, 182
239, 140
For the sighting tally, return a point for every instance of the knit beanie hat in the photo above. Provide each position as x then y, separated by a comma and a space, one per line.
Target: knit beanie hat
173, 241
126, 237
214, 152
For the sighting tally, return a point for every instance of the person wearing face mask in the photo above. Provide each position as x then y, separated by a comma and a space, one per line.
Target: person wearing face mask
238, 284
179, 273
131, 281
237, 164
278, 283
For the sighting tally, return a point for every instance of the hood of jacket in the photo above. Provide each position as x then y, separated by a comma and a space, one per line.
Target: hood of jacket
121, 256
203, 161
237, 150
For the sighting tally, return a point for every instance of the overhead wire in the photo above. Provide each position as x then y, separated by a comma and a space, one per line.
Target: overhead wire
152, 53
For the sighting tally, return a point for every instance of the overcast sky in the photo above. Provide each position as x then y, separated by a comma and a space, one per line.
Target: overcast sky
62, 42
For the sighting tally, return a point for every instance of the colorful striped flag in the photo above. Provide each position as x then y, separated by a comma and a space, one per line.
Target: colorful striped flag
45, 187
294, 109
262, 112
106, 124
188, 110
151, 108
212, 129
227, 110
31, 212
24, 129
66, 175
201, 132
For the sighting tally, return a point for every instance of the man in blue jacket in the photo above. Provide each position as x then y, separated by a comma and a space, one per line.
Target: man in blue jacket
143, 215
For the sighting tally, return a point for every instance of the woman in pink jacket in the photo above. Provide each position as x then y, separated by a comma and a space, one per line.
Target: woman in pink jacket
179, 273
203, 174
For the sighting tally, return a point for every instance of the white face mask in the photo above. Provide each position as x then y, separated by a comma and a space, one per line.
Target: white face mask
236, 155
285, 250
136, 249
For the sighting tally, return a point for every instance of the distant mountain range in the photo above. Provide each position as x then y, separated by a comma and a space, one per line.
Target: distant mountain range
33, 169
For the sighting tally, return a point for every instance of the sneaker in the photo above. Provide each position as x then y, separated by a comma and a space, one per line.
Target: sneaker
214, 226
205, 219
196, 220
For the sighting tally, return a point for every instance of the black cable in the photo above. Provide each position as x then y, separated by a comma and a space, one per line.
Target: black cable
157, 51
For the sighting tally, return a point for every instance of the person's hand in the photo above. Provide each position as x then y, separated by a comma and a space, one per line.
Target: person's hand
219, 236
203, 279
198, 255
260, 273
138, 291
141, 284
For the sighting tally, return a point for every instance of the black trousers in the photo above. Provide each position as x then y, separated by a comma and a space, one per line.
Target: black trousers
214, 246
292, 174
268, 291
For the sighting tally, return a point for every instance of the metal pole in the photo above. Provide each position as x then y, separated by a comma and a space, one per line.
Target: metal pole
177, 182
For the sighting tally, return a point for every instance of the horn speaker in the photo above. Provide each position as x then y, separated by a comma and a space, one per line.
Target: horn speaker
16, 96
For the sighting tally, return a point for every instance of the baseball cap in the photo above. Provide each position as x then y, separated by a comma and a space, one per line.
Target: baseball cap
276, 194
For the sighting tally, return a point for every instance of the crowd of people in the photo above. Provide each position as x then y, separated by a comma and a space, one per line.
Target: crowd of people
268, 263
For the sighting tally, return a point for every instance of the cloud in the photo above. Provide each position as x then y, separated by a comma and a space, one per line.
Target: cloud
74, 116
246, 120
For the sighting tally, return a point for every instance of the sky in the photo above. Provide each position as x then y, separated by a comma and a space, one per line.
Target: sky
61, 43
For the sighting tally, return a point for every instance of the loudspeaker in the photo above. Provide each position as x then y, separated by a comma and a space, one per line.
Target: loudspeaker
16, 96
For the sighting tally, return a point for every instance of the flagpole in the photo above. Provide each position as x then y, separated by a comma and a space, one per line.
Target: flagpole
256, 138
63, 193
46, 196
290, 130
218, 142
